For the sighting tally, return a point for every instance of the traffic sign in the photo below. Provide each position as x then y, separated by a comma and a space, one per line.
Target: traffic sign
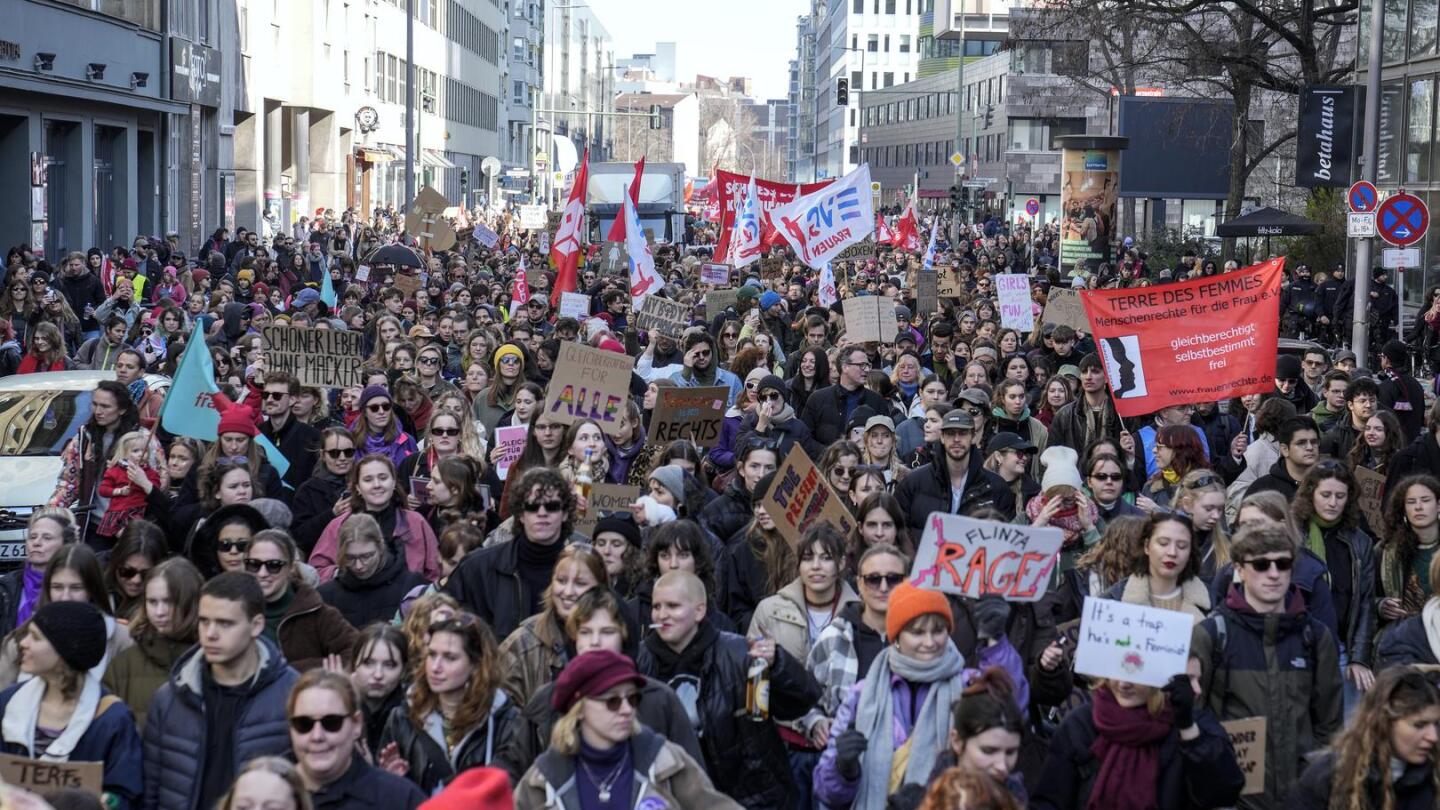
958, 159
1402, 219
1360, 226
1032, 206
975, 184
1363, 197
1400, 258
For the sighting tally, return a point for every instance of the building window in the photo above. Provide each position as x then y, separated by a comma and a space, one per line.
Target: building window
1420, 136
1393, 41
517, 93
904, 43
889, 6
1038, 134
889, 79
872, 43
886, 47
1422, 29
858, 7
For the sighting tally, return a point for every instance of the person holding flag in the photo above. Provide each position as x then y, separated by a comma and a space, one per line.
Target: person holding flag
565, 250
745, 242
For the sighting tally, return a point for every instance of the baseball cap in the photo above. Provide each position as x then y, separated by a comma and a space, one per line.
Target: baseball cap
1005, 440
957, 420
880, 421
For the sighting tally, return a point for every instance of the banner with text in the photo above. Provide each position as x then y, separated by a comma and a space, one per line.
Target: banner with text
323, 358
730, 192
1016, 311
975, 558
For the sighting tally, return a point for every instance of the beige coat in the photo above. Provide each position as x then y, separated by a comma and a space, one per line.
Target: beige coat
783, 617
666, 778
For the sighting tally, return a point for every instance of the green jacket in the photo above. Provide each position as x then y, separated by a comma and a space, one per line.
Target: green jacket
137, 672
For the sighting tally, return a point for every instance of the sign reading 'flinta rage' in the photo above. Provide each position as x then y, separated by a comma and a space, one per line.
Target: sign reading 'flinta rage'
976, 558
323, 358
589, 384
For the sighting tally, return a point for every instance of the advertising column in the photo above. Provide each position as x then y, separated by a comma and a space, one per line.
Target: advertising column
1089, 190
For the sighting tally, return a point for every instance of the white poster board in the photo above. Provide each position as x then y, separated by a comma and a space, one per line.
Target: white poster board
1135, 643
574, 305
532, 217
1015, 308
975, 558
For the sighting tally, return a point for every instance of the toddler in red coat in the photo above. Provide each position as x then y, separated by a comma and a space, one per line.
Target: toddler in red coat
127, 499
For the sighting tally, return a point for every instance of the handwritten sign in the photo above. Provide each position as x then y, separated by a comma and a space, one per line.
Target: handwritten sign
856, 252
1371, 484
1135, 643
1247, 737
532, 217
574, 305
485, 236
711, 273
44, 777
695, 414
1063, 308
800, 495
870, 319
716, 301
511, 442
605, 499
1015, 309
406, 283
362, 273
949, 282
668, 317
323, 358
589, 384
976, 558
927, 292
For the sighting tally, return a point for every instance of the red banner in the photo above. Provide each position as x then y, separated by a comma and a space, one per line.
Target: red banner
728, 188
1198, 341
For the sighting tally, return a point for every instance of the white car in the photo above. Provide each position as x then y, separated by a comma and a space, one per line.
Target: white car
39, 413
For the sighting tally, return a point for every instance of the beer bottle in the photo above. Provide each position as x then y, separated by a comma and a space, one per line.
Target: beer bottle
757, 691
584, 478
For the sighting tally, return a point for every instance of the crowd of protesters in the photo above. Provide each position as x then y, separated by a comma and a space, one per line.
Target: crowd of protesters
397, 613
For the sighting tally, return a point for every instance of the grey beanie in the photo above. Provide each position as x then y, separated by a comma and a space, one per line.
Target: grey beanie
671, 477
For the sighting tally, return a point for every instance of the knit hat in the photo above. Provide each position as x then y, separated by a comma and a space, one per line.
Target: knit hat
1061, 469
622, 525
771, 382
769, 298
275, 512
76, 630
610, 344
908, 603
245, 275
672, 478
508, 350
747, 293
372, 392
199, 275
1287, 367
237, 419
591, 674
475, 787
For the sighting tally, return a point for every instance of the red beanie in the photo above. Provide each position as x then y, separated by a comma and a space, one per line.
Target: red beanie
908, 603
477, 787
238, 419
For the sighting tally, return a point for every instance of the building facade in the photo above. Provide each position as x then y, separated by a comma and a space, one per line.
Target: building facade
579, 78
800, 142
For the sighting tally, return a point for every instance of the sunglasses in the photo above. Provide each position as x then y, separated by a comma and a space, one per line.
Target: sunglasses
228, 546
330, 722
338, 453
276, 396
772, 397
272, 566
613, 702
379, 407
888, 580
1111, 477
126, 572
1262, 565
429, 361
548, 506
434, 431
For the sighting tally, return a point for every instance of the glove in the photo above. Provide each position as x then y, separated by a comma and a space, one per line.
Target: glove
991, 614
849, 747
1182, 701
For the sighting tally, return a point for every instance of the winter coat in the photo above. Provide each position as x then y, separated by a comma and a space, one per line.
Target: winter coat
1419, 456
1260, 455
1135, 590
1026, 427
80, 291
137, 672
784, 617
310, 630
422, 550
727, 514
11, 589
529, 736
175, 732
746, 758
313, 507
300, 444
110, 739
365, 787
1402, 395
825, 414
840, 658
1414, 790
1069, 429
665, 777
1309, 575
362, 601
1283, 666
1199, 773
487, 583
1278, 479
533, 656
1406, 642
927, 490
1357, 626
788, 435
431, 765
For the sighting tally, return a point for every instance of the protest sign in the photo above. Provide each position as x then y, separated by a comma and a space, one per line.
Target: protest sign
1247, 737
1197, 341
667, 317
46, 776
362, 273
595, 386
869, 319
1063, 308
613, 260
511, 443
545, 242
1135, 643
799, 495
860, 251
730, 189
975, 558
605, 499
406, 283
1370, 485
574, 305
532, 217
323, 358
948, 281
717, 300
1015, 309
711, 273
486, 237
927, 293
689, 413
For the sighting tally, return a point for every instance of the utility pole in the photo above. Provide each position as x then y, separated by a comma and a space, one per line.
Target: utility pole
963, 169
1360, 329
409, 104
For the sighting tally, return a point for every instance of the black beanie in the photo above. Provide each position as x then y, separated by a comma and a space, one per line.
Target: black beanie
1287, 367
762, 488
1397, 353
622, 525
77, 632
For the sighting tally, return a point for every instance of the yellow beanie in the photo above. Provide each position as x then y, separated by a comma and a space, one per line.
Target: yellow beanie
508, 349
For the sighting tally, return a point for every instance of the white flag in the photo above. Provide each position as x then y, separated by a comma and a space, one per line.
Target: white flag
643, 279
828, 294
745, 244
929, 263
822, 224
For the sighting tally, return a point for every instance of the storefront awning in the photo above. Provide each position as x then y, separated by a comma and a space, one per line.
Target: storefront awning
372, 154
430, 157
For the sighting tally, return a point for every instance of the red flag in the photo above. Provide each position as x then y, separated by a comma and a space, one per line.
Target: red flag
883, 234
907, 230
617, 228
565, 250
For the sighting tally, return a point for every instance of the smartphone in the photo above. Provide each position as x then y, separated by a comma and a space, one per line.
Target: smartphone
483, 490
420, 488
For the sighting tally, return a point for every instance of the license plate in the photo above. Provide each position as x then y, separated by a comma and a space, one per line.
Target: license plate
12, 552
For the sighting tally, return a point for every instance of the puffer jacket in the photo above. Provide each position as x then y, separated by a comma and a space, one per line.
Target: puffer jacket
1283, 666
728, 513
927, 490
1406, 642
1414, 790
431, 766
665, 776
362, 601
533, 656
748, 759
175, 731
109, 738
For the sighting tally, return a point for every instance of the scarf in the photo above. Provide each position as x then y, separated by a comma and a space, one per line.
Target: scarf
783, 416
1127, 743
1315, 538
1170, 476
22, 714
874, 717
32, 579
1066, 520
688, 661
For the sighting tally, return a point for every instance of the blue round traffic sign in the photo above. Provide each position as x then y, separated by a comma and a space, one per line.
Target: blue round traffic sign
1363, 197
1032, 206
1402, 219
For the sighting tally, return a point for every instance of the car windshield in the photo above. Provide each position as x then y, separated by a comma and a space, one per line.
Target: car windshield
38, 423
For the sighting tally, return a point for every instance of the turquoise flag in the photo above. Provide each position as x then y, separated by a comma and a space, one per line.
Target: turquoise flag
327, 289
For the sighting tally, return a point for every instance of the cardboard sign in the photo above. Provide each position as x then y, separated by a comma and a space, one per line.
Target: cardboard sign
870, 319
716, 301
927, 292
1063, 308
532, 217
1371, 485
668, 317
406, 283
362, 273
1247, 737
323, 358
574, 305
800, 495
949, 282
1015, 309
44, 777
859, 251
605, 499
511, 442
595, 386
614, 260
711, 273
485, 236
695, 414
976, 558
1135, 643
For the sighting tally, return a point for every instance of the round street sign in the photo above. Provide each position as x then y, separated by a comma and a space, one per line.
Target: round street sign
1032, 206
1402, 219
1363, 197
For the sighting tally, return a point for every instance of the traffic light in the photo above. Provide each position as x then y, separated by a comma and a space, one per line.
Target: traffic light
655, 116
464, 178
989, 115
842, 92
956, 194
854, 154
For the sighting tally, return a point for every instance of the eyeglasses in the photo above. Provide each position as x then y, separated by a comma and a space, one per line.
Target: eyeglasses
875, 581
276, 396
230, 546
339, 453
272, 566
751, 386
378, 407
772, 397
126, 572
547, 506
699, 353
363, 559
1204, 481
865, 364
613, 702
304, 724
1112, 477
1262, 564
434, 431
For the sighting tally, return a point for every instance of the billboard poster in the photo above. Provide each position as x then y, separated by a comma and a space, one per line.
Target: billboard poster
1322, 152
1089, 188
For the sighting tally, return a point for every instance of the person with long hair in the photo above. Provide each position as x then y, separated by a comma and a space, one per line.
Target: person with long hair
47, 351
142, 546
878, 522
968, 789
1105, 481
453, 494
536, 652
1385, 758
379, 666
1010, 409
544, 447
986, 730
1200, 497
162, 628
374, 491
680, 545
761, 560
372, 580
83, 461
1411, 536
492, 403
1179, 450
584, 441
48, 530
1165, 573
1057, 394
378, 429
1377, 444
308, 631
318, 499
1103, 566
813, 373
17, 306
273, 783
457, 689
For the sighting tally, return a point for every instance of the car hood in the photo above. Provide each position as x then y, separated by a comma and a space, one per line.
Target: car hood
27, 481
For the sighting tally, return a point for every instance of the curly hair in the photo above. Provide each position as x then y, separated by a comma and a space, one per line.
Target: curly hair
1363, 750
478, 643
970, 789
681, 535
547, 481
1113, 557
1397, 534
1302, 506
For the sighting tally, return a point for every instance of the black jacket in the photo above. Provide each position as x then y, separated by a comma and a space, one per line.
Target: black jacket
1277, 480
728, 513
1069, 427
1414, 790
488, 583
927, 490
1403, 395
11, 585
825, 414
1337, 441
788, 435
299, 443
1419, 456
1405, 642
364, 787
430, 767
314, 508
362, 601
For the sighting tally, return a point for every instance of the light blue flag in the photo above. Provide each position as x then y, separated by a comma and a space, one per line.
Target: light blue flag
327, 289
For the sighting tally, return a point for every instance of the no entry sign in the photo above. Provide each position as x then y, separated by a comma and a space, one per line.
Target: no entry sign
1402, 219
